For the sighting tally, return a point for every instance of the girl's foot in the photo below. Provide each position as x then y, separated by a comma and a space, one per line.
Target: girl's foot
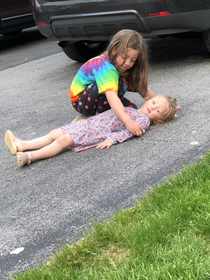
12, 142
23, 158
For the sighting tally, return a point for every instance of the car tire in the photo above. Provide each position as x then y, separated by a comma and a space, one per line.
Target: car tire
82, 51
206, 35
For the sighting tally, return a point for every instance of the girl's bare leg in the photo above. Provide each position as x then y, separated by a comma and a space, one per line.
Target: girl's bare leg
41, 141
16, 145
53, 148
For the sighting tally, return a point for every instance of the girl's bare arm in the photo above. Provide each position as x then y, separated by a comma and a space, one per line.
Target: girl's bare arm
117, 106
149, 92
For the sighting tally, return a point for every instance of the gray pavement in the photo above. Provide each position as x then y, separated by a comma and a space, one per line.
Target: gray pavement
50, 202
23, 47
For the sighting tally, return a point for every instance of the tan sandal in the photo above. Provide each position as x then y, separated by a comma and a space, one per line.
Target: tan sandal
23, 158
9, 140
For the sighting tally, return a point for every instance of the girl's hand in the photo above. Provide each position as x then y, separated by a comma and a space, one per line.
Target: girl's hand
117, 106
134, 128
106, 143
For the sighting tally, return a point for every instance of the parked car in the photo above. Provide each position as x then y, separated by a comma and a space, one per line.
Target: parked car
82, 27
15, 15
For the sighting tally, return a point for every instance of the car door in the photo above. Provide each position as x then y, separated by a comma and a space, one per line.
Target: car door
11, 8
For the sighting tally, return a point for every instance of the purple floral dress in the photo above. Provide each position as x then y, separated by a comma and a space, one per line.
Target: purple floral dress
92, 131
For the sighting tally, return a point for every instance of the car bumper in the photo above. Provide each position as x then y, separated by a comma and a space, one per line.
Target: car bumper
67, 22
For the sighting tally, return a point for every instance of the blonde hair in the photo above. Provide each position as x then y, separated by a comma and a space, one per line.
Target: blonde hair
136, 76
172, 107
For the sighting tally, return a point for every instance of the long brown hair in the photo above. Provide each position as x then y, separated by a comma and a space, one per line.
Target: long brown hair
136, 76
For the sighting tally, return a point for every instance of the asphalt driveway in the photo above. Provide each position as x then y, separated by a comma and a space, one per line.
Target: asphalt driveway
50, 202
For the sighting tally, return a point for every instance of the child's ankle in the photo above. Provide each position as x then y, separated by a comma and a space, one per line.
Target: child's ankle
19, 147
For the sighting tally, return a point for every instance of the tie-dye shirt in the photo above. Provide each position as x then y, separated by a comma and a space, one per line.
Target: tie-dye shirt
100, 70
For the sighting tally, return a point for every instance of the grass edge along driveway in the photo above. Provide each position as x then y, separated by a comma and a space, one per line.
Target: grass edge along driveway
166, 235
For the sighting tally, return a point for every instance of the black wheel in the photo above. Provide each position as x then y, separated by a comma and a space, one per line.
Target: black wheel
82, 51
206, 35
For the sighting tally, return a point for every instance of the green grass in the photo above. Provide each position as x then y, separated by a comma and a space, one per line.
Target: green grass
166, 235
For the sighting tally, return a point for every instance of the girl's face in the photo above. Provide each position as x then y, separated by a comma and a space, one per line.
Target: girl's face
155, 108
130, 57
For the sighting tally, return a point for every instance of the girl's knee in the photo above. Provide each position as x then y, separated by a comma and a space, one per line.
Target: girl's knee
64, 140
55, 133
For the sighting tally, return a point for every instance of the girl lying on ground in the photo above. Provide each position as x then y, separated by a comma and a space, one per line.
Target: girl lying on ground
102, 131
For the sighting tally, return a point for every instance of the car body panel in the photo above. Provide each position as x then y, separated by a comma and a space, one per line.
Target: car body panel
15, 15
98, 20
79, 24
